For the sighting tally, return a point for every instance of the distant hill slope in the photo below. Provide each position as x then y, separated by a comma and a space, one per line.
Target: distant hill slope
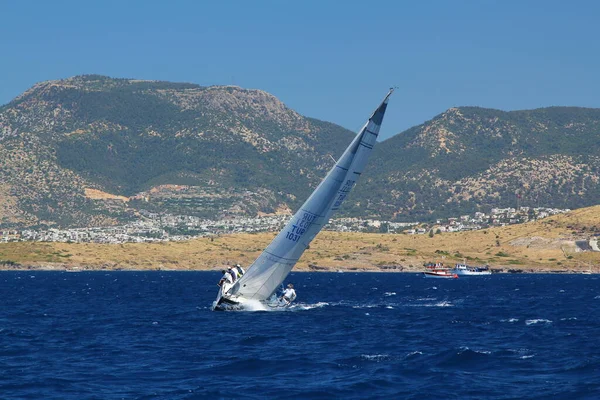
469, 159
217, 151
172, 147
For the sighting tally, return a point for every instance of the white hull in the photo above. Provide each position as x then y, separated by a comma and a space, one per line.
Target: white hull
465, 270
471, 273
224, 303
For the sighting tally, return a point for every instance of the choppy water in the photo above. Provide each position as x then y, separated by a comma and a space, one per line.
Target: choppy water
151, 335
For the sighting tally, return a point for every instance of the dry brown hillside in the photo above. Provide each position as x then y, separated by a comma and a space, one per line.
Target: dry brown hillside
545, 245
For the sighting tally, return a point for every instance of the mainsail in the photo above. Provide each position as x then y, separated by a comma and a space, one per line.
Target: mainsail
273, 265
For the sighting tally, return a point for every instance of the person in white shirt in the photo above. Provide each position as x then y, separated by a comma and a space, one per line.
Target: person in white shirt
234, 274
226, 281
288, 295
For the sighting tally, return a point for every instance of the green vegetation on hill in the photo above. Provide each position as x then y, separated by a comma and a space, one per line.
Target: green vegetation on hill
472, 159
241, 151
127, 137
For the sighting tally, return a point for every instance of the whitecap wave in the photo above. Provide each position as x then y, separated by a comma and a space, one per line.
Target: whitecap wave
537, 321
465, 348
523, 353
365, 306
438, 304
255, 305
375, 357
389, 294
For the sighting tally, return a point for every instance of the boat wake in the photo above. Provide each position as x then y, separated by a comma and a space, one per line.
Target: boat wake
256, 305
304, 307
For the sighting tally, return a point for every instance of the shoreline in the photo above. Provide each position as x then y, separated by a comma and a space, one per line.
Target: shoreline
396, 270
509, 250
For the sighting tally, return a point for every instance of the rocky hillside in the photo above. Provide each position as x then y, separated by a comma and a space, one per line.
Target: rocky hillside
161, 146
470, 159
92, 150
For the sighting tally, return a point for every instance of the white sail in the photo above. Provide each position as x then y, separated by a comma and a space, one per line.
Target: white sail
273, 265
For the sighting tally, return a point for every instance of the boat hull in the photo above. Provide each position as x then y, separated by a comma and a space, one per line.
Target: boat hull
467, 270
224, 303
472, 273
444, 275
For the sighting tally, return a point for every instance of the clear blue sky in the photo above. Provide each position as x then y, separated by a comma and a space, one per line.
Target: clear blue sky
332, 60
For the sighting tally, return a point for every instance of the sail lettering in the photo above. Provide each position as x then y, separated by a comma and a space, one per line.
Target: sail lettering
300, 227
297, 229
292, 237
344, 192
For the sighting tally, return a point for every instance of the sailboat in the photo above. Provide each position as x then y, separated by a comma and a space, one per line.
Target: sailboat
265, 275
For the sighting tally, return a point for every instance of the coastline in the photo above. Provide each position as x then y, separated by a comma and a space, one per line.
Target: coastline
51, 267
505, 250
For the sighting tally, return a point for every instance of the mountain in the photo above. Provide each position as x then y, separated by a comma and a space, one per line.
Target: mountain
472, 159
92, 150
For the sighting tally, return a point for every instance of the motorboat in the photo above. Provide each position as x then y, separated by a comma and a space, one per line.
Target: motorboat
464, 270
438, 270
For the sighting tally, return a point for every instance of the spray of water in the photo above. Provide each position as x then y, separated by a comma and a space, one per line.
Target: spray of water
254, 305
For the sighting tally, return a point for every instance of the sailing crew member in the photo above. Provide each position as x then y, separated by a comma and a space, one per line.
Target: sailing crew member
233, 273
226, 280
240, 270
289, 294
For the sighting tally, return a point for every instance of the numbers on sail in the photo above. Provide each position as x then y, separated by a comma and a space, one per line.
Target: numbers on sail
344, 192
300, 227
292, 237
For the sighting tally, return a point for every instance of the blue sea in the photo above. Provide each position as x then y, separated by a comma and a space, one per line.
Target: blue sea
152, 335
